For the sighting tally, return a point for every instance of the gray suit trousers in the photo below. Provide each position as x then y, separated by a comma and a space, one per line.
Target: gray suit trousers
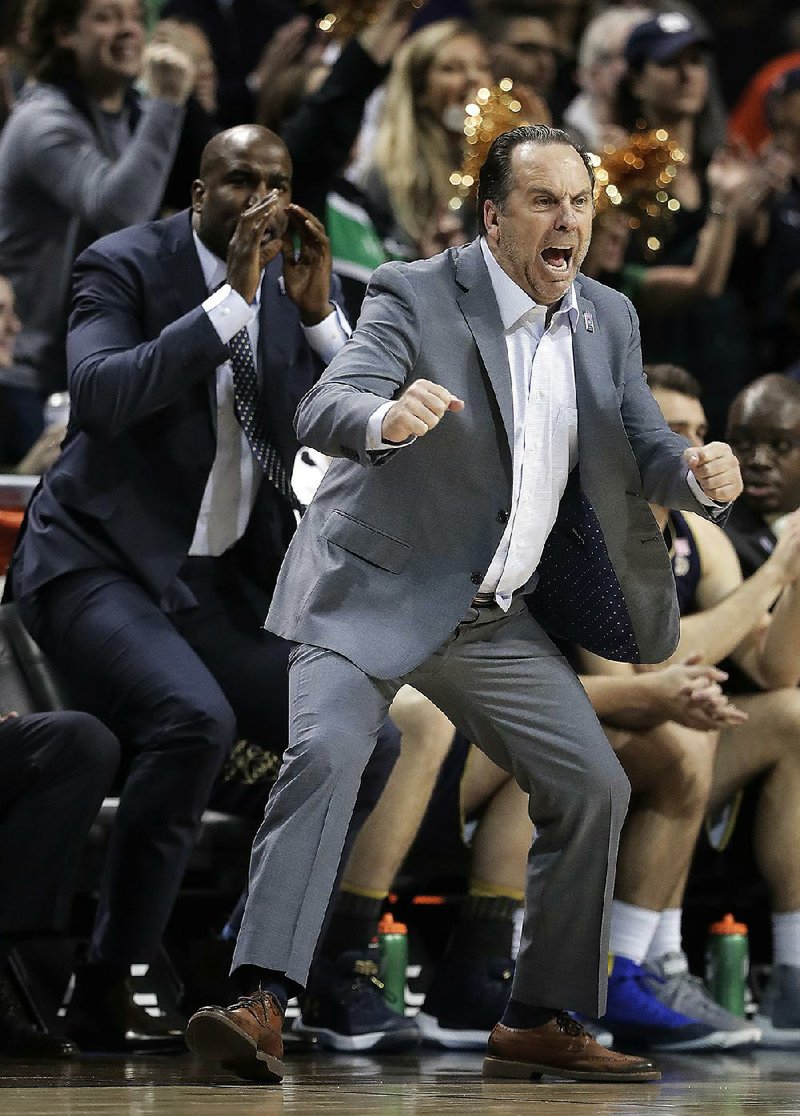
503, 683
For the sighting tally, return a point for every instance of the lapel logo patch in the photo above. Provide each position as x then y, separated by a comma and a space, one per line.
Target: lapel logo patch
281, 285
588, 322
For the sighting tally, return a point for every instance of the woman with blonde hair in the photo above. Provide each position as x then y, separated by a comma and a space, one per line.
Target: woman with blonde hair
419, 141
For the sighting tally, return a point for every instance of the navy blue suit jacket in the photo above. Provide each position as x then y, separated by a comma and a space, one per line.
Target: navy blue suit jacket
142, 356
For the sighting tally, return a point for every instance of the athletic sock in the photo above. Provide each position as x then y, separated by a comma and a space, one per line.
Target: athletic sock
484, 928
632, 930
353, 924
667, 938
786, 938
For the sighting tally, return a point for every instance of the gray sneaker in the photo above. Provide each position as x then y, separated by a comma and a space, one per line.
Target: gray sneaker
673, 985
779, 1010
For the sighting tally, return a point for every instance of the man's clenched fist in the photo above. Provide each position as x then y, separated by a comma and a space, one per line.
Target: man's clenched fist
421, 407
716, 469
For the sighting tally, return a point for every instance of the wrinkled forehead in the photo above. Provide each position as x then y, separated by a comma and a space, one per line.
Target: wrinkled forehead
554, 165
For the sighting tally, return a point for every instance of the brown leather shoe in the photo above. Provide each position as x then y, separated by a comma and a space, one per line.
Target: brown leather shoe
246, 1037
560, 1048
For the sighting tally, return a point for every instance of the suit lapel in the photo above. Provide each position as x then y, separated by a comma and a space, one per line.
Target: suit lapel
182, 271
583, 346
479, 307
594, 386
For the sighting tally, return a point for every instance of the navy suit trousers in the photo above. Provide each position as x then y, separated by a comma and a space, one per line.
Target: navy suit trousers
178, 690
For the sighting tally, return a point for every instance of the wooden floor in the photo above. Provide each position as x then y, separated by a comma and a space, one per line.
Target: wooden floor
429, 1083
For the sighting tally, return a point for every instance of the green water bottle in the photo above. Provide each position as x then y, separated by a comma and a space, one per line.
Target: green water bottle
393, 941
727, 963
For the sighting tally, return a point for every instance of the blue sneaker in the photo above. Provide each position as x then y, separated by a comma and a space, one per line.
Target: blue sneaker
636, 1018
344, 1008
464, 1002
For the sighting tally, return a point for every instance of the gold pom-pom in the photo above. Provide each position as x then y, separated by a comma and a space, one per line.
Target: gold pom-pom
491, 112
636, 178
347, 17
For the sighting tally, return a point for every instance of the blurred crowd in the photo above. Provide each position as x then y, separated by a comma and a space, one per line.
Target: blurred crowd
113, 104
106, 108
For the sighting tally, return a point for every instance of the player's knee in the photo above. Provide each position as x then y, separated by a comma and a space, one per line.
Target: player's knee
785, 720
687, 760
425, 729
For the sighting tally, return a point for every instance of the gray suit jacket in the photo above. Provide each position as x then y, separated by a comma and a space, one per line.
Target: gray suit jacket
389, 554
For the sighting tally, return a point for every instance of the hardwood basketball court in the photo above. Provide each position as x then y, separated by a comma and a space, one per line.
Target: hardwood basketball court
427, 1082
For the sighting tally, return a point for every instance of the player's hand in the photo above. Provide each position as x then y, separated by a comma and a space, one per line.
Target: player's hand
673, 688
691, 694
421, 407
714, 711
786, 555
716, 469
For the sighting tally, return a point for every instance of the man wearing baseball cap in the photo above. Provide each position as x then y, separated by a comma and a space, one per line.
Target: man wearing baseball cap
662, 38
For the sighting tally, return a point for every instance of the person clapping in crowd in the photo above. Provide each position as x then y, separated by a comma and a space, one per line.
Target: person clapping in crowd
81, 155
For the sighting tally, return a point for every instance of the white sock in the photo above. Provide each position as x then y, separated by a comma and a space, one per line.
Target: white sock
632, 930
786, 938
667, 938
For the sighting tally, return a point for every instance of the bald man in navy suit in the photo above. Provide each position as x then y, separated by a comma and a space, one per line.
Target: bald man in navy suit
151, 548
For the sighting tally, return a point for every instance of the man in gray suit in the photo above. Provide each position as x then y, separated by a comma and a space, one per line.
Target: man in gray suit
494, 440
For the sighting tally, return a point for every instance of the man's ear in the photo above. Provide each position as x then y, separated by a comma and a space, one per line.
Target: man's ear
491, 220
198, 193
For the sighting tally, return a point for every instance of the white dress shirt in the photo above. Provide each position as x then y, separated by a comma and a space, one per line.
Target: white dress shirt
235, 475
545, 435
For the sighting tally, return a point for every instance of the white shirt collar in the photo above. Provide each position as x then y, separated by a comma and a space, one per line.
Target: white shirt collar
214, 269
514, 303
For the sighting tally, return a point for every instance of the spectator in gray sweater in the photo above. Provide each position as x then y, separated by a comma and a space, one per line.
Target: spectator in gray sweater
80, 156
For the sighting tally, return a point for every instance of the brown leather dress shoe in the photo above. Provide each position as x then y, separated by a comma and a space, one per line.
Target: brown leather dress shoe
246, 1037
560, 1048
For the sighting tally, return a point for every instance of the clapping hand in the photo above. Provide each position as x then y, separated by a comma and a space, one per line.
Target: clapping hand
168, 73
307, 273
691, 694
786, 555
256, 241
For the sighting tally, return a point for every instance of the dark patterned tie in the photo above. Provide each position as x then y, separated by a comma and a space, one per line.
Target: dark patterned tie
249, 408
